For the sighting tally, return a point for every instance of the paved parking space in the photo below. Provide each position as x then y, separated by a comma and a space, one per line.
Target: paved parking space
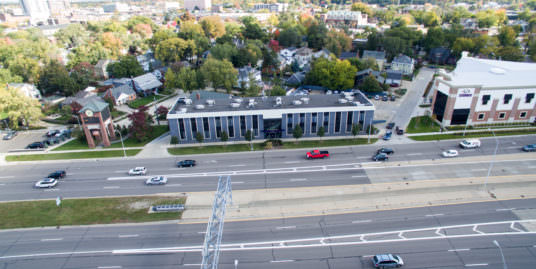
21, 140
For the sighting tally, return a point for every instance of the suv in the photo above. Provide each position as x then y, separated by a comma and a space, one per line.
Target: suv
470, 143
136, 171
387, 135
390, 125
380, 157
385, 150
57, 174
387, 261
186, 163
36, 145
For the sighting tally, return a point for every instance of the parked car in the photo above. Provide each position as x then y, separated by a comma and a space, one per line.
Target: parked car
380, 157
390, 125
399, 131
470, 143
317, 154
136, 171
186, 163
9, 135
530, 147
57, 174
450, 153
46, 183
376, 97
387, 135
387, 261
385, 150
51, 141
36, 145
385, 98
52, 133
158, 180
393, 98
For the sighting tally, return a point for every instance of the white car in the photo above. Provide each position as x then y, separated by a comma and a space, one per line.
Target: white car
470, 143
137, 171
450, 153
158, 180
47, 183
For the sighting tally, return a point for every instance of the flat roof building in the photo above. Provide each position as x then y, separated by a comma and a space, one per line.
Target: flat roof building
211, 113
481, 91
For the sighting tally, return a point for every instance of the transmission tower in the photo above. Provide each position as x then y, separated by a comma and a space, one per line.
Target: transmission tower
211, 247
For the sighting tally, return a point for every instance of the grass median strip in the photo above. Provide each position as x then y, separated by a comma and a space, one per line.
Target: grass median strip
470, 135
309, 144
71, 155
85, 211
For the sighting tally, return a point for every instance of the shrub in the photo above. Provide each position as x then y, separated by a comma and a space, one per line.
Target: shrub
268, 145
274, 142
174, 140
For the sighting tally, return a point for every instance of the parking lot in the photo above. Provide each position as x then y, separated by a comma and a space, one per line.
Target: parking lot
21, 140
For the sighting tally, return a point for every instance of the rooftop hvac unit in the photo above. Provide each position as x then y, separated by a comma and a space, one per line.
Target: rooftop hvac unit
343, 101
305, 100
211, 102
349, 98
278, 101
183, 110
187, 101
296, 102
235, 105
251, 103
357, 103
199, 106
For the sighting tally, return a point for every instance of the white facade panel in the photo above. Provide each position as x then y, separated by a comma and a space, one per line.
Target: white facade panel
487, 107
444, 88
464, 98
500, 94
523, 104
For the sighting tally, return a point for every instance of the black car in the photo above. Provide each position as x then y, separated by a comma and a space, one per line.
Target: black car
385, 150
380, 157
52, 133
390, 125
399, 131
36, 145
393, 98
186, 163
385, 98
57, 174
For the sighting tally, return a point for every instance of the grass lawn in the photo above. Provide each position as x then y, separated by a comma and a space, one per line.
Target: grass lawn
143, 101
84, 211
72, 145
71, 155
422, 124
470, 135
116, 114
258, 146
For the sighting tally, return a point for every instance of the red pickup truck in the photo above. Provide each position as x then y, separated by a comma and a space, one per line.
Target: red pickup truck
316, 154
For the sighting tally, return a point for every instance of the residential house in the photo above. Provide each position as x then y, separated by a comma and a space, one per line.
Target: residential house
100, 68
148, 61
286, 56
346, 18
361, 75
146, 84
378, 56
322, 53
296, 79
394, 78
403, 63
121, 95
303, 56
347, 55
28, 90
244, 75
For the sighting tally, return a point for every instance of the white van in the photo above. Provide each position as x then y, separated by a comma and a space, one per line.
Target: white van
470, 143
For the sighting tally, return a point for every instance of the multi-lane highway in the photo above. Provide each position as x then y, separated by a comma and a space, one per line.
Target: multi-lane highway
270, 169
453, 236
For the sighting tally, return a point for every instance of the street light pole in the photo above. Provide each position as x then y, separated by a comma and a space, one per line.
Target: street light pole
492, 160
370, 130
502, 254
122, 145
251, 141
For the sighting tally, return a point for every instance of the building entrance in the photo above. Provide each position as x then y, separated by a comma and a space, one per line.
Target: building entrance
272, 128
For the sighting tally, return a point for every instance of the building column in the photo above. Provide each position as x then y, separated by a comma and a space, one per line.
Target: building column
103, 132
111, 129
89, 138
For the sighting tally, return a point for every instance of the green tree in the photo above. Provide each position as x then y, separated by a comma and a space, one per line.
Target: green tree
224, 137
321, 132
370, 84
297, 133
19, 107
289, 37
127, 67
434, 38
91, 53
337, 42
248, 135
223, 51
252, 29
364, 8
220, 74
6, 77
24, 67
187, 79
507, 36
199, 137
486, 18
356, 128
510, 53
213, 26
431, 19
55, 78
463, 44
174, 140
160, 36
82, 75
332, 74
73, 35
316, 36
137, 20
277, 91
174, 50
532, 49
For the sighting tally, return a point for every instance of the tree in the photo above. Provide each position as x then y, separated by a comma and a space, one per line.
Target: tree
532, 49
213, 26
55, 78
82, 75
337, 42
19, 107
252, 29
277, 91
187, 79
174, 50
141, 128
161, 112
289, 37
510, 53
297, 132
174, 140
434, 38
431, 19
224, 136
220, 74
370, 84
127, 67
321, 132
73, 35
332, 74
316, 36
6, 77
463, 44
199, 137
25, 67
159, 36
486, 18
364, 8
91, 53
356, 128
112, 41
507, 36
248, 135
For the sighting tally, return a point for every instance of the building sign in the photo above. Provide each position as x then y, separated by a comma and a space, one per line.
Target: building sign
465, 93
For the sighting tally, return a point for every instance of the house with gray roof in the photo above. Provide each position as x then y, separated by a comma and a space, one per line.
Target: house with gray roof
244, 75
378, 56
296, 79
394, 78
121, 95
404, 64
146, 84
361, 75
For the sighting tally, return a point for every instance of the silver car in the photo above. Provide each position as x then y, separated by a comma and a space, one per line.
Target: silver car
9, 135
158, 180
137, 171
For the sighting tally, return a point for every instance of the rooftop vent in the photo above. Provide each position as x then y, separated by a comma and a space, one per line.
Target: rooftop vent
278, 101
357, 103
349, 98
343, 101
235, 105
199, 107
211, 102
251, 103
183, 110
296, 102
187, 101
305, 100
497, 71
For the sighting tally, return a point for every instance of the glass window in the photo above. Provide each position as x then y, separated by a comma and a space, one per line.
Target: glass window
349, 120
230, 125
218, 127
485, 99
194, 126
337, 122
256, 125
481, 116
290, 126
529, 97
523, 114
181, 129
302, 121
314, 119
507, 98
242, 125
326, 122
502, 115
206, 128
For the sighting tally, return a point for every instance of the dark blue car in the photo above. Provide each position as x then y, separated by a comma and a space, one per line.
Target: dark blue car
530, 147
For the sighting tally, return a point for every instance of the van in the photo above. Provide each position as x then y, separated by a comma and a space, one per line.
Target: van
470, 143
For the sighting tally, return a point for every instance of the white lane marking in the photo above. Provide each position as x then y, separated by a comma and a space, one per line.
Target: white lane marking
51, 239
110, 267
479, 169
505, 209
128, 235
2, 184
282, 261
531, 166
174, 185
110, 187
7, 177
119, 171
367, 256
201, 232
361, 221
459, 249
360, 176
285, 227
362, 157
476, 264
414, 154
177, 168
237, 165
237, 182
191, 264
297, 179
289, 162
513, 147
50, 190
434, 215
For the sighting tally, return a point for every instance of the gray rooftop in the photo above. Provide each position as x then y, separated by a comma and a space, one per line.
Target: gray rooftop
379, 55
267, 102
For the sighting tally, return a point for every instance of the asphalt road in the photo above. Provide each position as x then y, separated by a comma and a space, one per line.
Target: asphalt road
453, 236
272, 169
